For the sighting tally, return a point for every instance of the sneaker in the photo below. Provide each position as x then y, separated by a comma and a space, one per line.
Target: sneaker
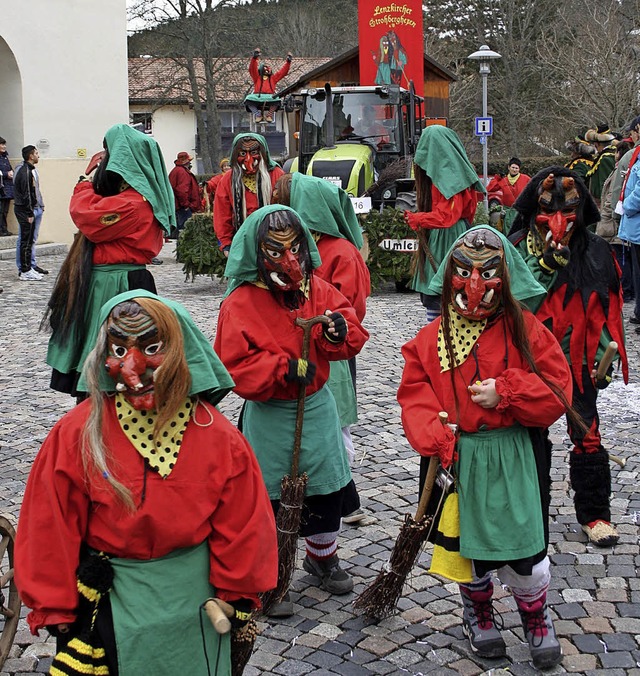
156, 261
479, 623
538, 628
258, 117
282, 609
332, 578
355, 517
30, 276
39, 270
601, 533
269, 118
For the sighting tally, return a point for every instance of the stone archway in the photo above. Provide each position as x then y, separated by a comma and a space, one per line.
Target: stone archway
11, 114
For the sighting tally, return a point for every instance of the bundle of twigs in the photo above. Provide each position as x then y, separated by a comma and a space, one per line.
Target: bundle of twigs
400, 168
242, 642
380, 598
292, 489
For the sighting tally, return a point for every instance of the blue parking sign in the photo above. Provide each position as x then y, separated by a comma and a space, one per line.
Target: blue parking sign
484, 126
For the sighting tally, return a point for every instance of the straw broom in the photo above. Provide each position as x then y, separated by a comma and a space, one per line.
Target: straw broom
380, 598
292, 489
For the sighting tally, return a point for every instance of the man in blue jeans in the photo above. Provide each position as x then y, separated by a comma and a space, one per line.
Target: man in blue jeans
28, 207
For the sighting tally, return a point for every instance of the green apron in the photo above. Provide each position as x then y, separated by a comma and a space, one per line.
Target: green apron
341, 385
159, 624
440, 241
106, 282
269, 427
262, 98
499, 496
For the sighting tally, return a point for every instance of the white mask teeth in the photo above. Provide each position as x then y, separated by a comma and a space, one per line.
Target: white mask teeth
138, 386
488, 296
274, 277
459, 302
548, 237
120, 387
569, 226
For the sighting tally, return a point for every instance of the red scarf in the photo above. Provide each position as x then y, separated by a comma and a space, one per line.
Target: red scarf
634, 157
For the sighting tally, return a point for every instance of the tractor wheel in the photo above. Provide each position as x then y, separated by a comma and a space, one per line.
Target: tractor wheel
9, 599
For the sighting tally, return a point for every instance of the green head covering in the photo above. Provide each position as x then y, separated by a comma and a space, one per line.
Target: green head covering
522, 283
325, 208
242, 264
443, 157
138, 159
261, 140
208, 375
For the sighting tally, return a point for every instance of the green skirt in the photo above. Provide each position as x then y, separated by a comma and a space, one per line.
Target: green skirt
158, 619
106, 282
341, 385
499, 496
262, 98
440, 241
269, 427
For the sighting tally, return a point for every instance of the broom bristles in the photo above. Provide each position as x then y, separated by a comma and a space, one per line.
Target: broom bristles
380, 598
288, 528
242, 642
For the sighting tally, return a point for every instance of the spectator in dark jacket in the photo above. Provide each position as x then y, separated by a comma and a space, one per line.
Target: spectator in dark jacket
185, 188
6, 187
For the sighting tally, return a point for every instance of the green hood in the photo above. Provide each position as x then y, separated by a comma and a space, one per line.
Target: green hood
325, 208
522, 282
208, 375
242, 264
261, 140
443, 157
138, 159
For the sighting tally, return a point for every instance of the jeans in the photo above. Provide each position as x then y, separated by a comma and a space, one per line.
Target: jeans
625, 260
37, 219
4, 211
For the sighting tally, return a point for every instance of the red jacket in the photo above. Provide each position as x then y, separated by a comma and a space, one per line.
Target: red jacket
509, 192
185, 188
223, 205
266, 85
122, 227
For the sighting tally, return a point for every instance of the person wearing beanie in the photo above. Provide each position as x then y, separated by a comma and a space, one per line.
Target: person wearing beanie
186, 190
604, 162
511, 185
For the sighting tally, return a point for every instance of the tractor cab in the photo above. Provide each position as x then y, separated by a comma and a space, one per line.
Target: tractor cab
349, 135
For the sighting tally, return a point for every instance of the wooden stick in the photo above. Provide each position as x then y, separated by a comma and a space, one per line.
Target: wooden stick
618, 460
432, 470
218, 619
607, 359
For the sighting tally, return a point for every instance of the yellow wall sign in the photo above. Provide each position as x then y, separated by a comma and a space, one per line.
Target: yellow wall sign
82, 153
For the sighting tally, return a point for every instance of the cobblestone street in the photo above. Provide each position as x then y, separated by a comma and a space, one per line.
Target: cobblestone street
594, 595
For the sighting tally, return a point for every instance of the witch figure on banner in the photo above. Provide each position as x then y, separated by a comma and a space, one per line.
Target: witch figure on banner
263, 102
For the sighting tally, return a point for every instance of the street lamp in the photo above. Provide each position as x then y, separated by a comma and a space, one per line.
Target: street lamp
484, 56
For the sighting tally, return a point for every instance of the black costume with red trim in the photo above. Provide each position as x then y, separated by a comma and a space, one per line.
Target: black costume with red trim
583, 309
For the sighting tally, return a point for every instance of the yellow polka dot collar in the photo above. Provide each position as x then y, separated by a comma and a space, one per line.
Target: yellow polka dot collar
250, 182
138, 428
465, 334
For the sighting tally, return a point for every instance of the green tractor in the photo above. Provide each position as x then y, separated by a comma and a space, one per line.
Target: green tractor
361, 138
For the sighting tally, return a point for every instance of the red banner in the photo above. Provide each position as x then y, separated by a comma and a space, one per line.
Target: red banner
391, 43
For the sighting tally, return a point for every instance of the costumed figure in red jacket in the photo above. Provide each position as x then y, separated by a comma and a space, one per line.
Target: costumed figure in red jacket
502, 192
271, 284
122, 216
264, 87
185, 188
500, 376
583, 309
212, 183
248, 186
142, 486
327, 211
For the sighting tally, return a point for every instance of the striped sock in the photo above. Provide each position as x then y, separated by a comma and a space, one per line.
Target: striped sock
322, 546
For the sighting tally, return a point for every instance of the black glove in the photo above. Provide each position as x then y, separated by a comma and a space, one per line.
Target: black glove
243, 608
340, 328
301, 371
54, 630
601, 384
556, 259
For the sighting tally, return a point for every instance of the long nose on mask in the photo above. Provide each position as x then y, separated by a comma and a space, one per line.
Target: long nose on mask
558, 226
291, 266
128, 369
250, 164
475, 290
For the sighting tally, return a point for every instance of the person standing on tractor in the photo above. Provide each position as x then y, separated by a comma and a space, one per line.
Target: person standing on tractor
446, 192
503, 191
264, 87
248, 186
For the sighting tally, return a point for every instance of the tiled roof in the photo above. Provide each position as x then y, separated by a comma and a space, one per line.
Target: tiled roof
163, 80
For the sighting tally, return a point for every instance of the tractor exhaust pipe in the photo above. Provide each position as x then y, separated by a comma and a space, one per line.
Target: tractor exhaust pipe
330, 141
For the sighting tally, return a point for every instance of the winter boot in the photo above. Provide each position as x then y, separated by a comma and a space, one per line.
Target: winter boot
479, 622
332, 577
539, 632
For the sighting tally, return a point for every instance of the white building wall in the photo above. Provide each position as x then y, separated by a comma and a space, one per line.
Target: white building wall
67, 61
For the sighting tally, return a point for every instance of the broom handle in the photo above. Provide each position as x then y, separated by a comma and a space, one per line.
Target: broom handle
216, 614
307, 325
607, 359
427, 489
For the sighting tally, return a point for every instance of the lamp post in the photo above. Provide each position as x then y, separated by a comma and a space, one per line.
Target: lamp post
484, 56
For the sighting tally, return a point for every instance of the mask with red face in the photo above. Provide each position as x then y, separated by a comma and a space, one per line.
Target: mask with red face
249, 156
281, 259
477, 268
558, 201
134, 354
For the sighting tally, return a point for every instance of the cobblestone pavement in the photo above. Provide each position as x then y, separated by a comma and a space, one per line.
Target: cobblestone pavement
595, 593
